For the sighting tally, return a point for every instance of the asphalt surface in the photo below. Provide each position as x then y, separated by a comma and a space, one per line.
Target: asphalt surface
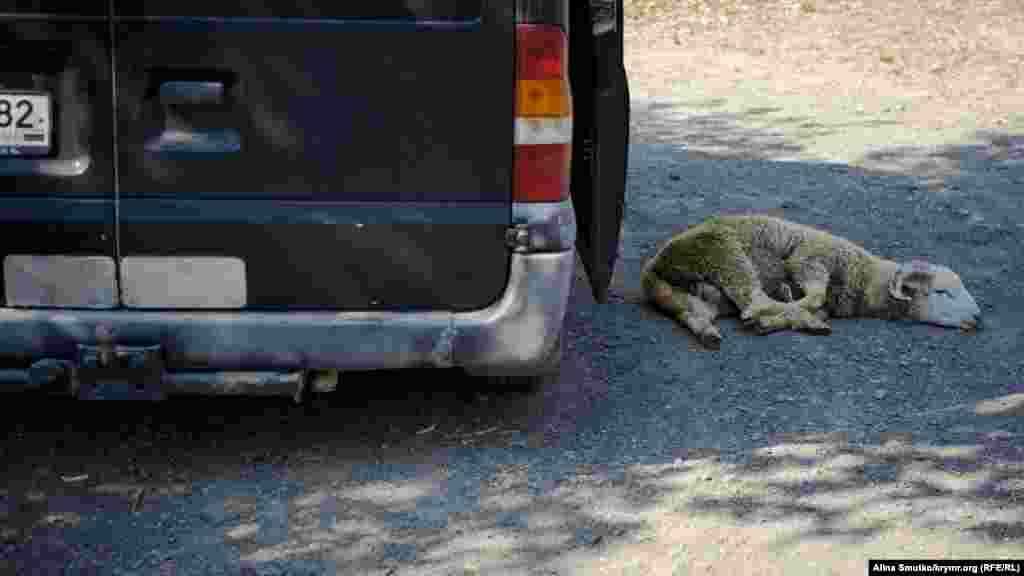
425, 473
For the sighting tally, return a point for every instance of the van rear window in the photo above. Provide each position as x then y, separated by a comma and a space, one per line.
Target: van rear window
448, 10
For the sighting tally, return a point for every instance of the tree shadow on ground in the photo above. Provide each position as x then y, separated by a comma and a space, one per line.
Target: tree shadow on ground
859, 491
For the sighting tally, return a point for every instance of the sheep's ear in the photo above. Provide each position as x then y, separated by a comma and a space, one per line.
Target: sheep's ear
910, 279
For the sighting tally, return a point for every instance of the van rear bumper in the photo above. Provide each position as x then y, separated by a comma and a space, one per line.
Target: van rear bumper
518, 334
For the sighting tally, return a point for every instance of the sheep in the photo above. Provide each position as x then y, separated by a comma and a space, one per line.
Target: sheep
780, 275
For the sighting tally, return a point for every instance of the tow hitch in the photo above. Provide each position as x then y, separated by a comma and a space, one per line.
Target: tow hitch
110, 372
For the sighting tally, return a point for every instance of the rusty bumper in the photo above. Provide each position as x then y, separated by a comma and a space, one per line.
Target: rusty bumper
518, 334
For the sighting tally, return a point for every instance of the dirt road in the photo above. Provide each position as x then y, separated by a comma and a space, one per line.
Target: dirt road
780, 454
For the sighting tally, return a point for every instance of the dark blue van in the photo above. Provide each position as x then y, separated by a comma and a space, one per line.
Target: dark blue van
232, 196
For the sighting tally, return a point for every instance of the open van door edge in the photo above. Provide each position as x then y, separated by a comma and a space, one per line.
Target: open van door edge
600, 135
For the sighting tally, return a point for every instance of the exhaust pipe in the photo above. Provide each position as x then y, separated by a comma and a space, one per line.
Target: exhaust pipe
237, 383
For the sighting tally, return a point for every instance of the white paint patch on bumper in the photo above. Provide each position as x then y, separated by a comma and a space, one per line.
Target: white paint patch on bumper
60, 281
183, 283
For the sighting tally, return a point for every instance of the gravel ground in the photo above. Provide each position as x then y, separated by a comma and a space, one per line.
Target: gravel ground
786, 453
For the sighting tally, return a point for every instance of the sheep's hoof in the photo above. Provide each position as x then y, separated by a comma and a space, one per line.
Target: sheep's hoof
818, 329
770, 325
711, 339
749, 321
813, 324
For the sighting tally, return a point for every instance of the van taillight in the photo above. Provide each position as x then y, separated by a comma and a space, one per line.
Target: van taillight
543, 115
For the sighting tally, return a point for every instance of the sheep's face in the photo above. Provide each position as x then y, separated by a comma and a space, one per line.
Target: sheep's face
924, 292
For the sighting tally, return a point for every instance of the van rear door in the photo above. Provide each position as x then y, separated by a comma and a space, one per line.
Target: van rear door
57, 190
600, 135
314, 155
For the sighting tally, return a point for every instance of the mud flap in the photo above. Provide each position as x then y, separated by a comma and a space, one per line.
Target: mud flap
600, 135
120, 373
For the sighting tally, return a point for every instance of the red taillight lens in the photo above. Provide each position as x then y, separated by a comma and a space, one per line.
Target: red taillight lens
542, 173
543, 140
540, 50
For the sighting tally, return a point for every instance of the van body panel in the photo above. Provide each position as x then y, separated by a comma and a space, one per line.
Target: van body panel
329, 155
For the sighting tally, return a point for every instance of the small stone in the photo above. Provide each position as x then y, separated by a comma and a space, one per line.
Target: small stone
880, 394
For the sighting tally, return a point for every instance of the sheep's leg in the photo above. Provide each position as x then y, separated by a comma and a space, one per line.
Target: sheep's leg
787, 318
720, 306
766, 313
719, 302
808, 314
700, 319
811, 314
686, 307
717, 257
733, 275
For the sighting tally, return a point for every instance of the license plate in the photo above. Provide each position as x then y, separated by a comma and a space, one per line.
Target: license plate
25, 123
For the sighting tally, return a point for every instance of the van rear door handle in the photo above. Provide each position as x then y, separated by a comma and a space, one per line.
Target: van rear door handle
191, 93
189, 138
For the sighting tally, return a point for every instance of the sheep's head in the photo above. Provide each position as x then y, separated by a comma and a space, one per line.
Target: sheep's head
924, 292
